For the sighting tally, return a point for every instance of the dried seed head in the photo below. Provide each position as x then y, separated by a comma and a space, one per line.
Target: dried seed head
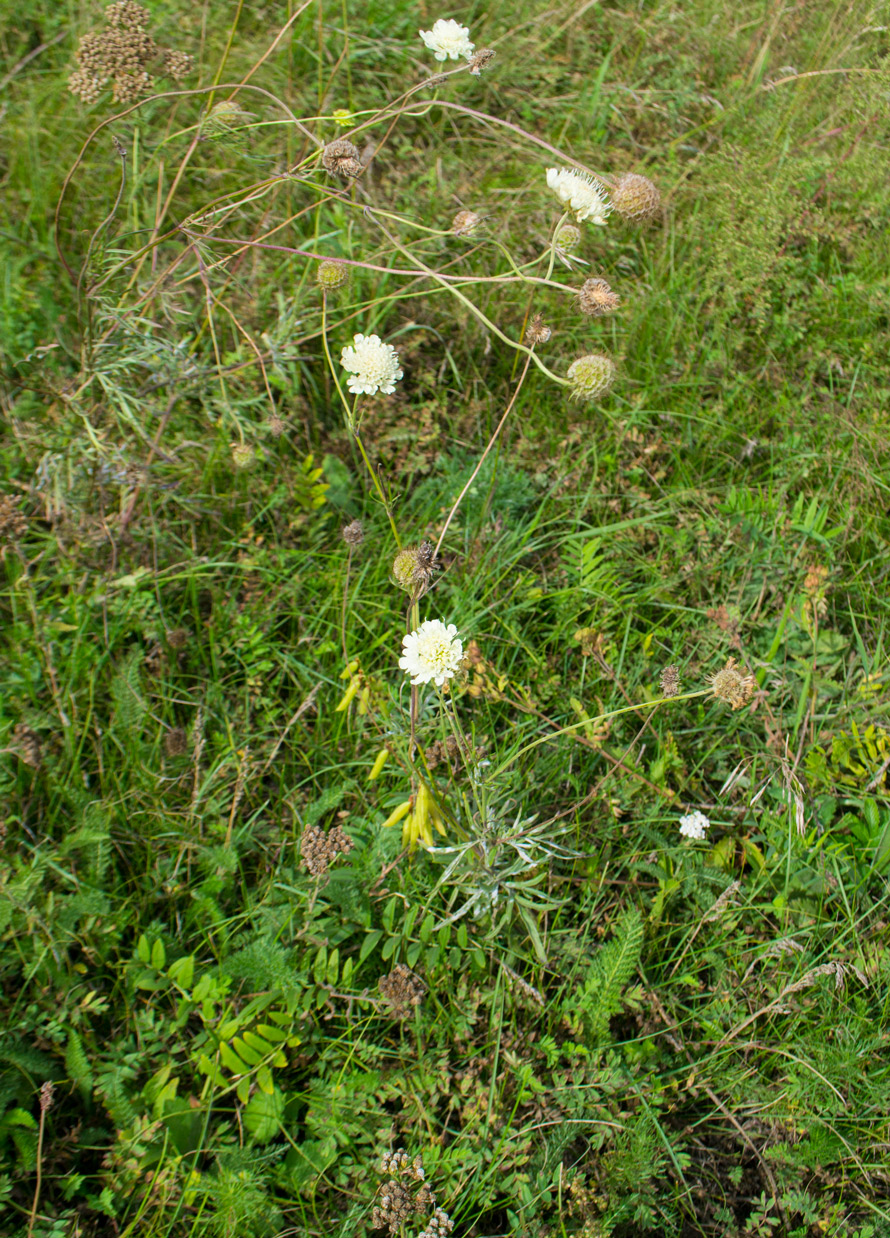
276, 426
353, 534
46, 1097
12, 522
465, 223
27, 744
591, 376
440, 1224
597, 298
414, 568
481, 60
319, 847
243, 455
341, 158
394, 1206
537, 332
178, 638
176, 63
176, 743
568, 237
128, 14
635, 198
331, 274
670, 681
732, 686
402, 990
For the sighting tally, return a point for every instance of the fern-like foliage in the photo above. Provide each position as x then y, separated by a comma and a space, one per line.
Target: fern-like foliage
590, 1008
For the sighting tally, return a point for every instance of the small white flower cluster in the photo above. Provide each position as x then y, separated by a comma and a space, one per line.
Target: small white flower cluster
583, 193
432, 653
372, 365
694, 825
449, 40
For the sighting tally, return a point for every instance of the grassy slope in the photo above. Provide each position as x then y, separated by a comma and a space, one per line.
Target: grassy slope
182, 675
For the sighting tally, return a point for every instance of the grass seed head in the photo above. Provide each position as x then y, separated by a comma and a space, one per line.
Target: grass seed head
342, 158
732, 686
596, 298
635, 198
591, 376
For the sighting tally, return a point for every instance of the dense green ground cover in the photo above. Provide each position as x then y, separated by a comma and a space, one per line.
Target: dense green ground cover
587, 1023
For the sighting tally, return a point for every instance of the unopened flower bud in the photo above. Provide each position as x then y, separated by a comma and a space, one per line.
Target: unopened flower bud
331, 275
568, 237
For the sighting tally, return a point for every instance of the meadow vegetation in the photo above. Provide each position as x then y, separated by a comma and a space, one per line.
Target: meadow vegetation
446, 760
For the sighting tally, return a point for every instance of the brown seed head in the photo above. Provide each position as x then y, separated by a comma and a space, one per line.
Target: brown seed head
46, 1097
597, 298
178, 638
465, 223
176, 742
341, 158
670, 681
732, 686
12, 522
127, 14
177, 64
537, 332
319, 847
481, 60
635, 198
402, 990
27, 744
353, 534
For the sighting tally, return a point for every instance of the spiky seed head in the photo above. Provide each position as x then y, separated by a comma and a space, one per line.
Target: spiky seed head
332, 275
353, 534
465, 223
568, 237
732, 686
481, 60
635, 198
597, 298
537, 332
243, 455
277, 426
591, 376
342, 158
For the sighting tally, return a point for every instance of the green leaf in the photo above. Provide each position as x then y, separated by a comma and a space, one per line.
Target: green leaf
263, 1114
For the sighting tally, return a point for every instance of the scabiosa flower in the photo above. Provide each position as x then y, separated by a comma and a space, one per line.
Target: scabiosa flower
584, 194
432, 653
591, 376
449, 40
694, 825
372, 365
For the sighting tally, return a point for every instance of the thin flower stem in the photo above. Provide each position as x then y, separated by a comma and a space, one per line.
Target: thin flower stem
491, 443
474, 309
612, 713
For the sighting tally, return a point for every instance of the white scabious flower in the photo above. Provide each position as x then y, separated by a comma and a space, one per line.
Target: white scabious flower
372, 365
585, 195
448, 39
432, 653
694, 825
